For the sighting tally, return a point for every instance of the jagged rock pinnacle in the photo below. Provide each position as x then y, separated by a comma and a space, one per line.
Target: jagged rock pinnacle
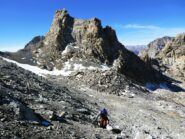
94, 41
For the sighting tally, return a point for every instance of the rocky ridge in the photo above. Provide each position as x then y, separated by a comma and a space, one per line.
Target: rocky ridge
154, 48
167, 55
26, 54
74, 44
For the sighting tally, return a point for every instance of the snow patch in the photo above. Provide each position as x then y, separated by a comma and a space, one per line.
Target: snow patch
80, 67
39, 71
38, 63
67, 69
69, 48
105, 67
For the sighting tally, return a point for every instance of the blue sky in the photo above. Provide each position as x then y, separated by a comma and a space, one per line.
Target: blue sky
136, 22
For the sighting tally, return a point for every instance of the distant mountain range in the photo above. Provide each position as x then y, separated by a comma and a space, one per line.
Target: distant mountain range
136, 48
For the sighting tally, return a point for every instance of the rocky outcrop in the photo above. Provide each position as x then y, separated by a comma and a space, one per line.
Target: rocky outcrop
83, 39
170, 58
155, 47
173, 57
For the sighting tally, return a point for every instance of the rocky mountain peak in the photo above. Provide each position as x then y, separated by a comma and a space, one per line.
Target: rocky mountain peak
61, 13
83, 39
62, 23
60, 17
66, 29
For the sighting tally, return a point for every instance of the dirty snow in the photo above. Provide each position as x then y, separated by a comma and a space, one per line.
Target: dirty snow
81, 67
66, 71
39, 71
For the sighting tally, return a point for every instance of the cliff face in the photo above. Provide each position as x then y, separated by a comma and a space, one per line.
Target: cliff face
83, 39
154, 48
173, 57
170, 57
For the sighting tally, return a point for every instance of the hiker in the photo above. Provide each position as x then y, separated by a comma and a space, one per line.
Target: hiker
104, 121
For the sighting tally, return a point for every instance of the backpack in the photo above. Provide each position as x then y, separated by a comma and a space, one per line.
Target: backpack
103, 113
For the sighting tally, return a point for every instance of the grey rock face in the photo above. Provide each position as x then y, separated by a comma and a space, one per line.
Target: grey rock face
173, 57
168, 55
89, 39
156, 46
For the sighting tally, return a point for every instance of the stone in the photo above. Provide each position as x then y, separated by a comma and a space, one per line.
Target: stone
118, 137
84, 111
